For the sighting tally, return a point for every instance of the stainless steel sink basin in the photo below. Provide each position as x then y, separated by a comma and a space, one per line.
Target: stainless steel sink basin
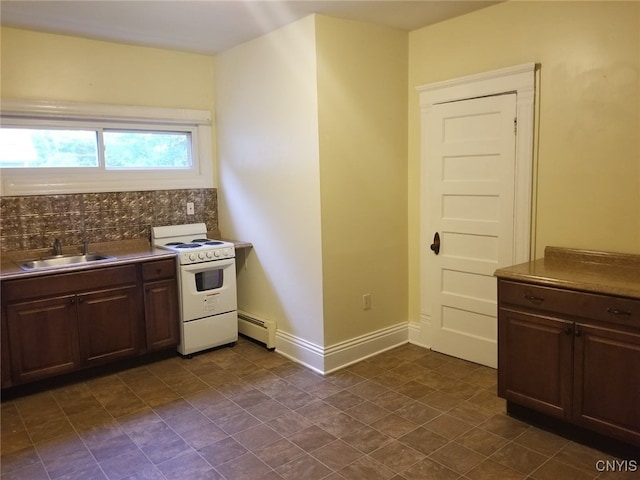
64, 261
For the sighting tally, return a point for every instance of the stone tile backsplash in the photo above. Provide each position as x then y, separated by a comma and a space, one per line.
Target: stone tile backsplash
31, 222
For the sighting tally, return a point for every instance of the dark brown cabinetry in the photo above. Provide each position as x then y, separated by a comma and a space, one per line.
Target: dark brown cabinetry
109, 322
60, 323
160, 304
571, 355
607, 381
43, 335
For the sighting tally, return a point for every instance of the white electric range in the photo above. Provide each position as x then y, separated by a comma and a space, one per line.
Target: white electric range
207, 286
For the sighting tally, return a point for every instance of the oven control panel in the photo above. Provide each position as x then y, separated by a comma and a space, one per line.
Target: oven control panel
206, 255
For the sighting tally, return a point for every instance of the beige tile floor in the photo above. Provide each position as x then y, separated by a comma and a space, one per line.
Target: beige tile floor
247, 413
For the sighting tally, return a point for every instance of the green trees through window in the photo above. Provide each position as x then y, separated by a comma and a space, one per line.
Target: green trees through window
147, 150
75, 148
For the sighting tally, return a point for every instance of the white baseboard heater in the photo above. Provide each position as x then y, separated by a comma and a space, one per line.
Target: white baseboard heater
257, 328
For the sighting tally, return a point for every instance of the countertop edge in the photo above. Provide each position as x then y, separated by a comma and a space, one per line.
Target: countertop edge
238, 243
580, 270
569, 285
125, 251
15, 272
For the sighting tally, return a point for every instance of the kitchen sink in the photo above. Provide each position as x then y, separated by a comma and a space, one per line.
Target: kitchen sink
64, 261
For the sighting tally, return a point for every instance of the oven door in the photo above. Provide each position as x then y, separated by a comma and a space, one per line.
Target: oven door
208, 289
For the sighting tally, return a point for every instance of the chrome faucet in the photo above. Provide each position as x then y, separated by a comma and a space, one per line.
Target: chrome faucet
57, 247
85, 247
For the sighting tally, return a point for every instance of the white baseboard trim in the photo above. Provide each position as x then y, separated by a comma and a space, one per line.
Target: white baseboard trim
352, 351
300, 351
420, 333
343, 354
415, 334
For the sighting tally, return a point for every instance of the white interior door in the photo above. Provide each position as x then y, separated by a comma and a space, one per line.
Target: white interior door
469, 187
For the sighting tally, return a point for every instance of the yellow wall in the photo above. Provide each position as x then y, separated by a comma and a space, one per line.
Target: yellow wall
43, 66
587, 159
362, 111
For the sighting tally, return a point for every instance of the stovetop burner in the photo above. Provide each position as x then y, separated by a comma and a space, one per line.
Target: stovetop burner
187, 245
206, 241
191, 243
195, 243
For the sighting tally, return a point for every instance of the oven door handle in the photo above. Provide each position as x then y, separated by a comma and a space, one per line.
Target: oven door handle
210, 265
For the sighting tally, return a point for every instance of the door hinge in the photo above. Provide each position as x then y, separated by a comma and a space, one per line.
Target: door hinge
515, 126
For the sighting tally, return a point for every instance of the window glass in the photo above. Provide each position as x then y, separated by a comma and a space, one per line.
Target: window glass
209, 280
140, 150
46, 148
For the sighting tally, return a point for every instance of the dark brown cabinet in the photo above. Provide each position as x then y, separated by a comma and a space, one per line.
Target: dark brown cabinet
43, 336
534, 361
109, 322
59, 323
571, 355
160, 304
607, 380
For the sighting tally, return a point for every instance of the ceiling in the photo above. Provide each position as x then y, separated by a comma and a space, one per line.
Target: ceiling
212, 26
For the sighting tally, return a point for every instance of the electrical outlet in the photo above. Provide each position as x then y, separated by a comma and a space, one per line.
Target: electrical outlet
190, 208
366, 301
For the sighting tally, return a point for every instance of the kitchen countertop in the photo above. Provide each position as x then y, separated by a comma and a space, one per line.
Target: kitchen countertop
583, 270
238, 243
125, 251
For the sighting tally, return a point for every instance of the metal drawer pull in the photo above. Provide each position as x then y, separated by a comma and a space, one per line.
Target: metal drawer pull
615, 311
534, 299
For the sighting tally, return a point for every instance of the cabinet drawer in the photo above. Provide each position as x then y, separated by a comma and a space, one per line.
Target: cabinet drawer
158, 269
63, 283
624, 311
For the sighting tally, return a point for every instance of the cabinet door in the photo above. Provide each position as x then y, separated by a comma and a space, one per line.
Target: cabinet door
5, 359
161, 314
607, 381
44, 338
109, 322
535, 358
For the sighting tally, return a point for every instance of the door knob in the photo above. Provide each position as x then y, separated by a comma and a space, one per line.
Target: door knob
435, 246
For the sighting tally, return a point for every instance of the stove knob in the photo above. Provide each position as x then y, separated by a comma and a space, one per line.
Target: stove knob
209, 254
201, 255
217, 253
192, 256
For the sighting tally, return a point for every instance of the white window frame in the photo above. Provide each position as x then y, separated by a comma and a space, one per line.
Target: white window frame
46, 181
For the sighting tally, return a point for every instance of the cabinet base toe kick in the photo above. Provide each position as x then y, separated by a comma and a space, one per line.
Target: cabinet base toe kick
85, 374
612, 446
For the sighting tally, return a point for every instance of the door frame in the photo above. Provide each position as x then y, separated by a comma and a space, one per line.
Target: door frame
519, 79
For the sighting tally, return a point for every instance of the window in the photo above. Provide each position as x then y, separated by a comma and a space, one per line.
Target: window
135, 149
74, 148
40, 148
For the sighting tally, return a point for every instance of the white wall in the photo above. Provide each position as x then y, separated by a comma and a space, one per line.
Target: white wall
267, 124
